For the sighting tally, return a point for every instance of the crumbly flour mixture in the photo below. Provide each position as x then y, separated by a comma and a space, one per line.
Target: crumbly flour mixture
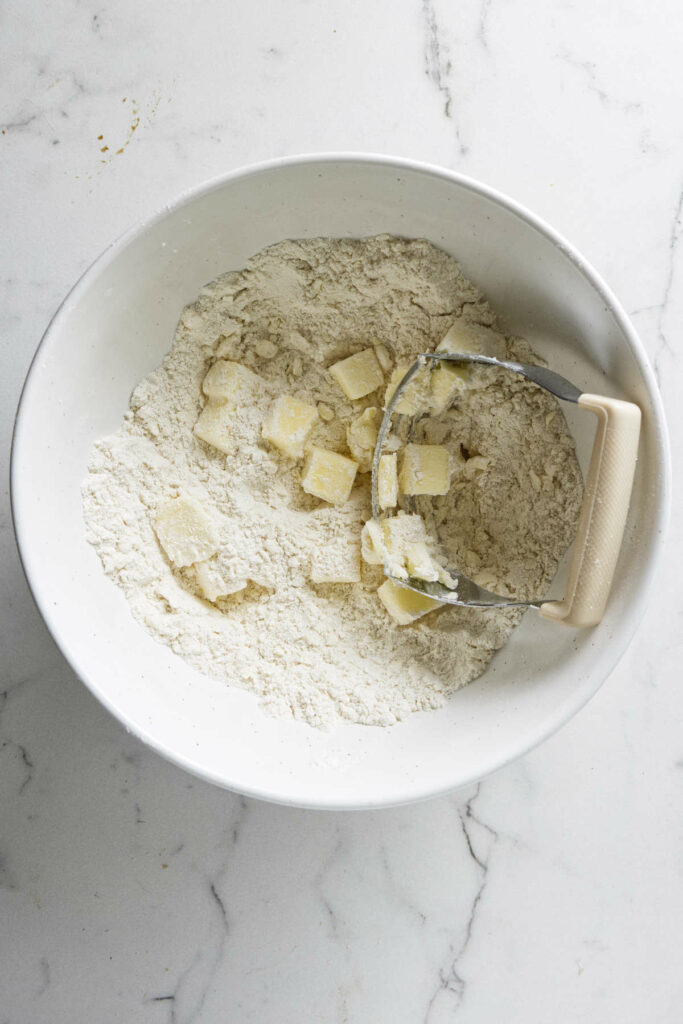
322, 652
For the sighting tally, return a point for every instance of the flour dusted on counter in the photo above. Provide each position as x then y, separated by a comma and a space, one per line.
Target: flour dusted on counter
256, 609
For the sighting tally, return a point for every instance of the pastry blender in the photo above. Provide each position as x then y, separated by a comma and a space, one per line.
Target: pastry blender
605, 504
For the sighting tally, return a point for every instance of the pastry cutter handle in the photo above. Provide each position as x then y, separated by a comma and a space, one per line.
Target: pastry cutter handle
607, 493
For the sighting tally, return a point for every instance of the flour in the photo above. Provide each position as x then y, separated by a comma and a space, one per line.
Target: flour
324, 652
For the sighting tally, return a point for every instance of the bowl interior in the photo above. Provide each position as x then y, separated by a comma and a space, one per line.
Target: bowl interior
116, 326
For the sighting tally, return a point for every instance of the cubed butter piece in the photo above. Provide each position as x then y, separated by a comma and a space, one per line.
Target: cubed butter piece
359, 374
387, 481
447, 380
416, 395
372, 543
384, 542
399, 531
328, 475
361, 437
475, 338
228, 381
213, 582
425, 469
213, 425
400, 544
336, 562
405, 605
383, 356
420, 563
450, 377
185, 531
288, 424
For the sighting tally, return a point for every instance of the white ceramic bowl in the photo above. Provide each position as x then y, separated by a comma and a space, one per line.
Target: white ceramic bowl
116, 325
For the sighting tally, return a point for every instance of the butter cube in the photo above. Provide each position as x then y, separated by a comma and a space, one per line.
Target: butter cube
358, 375
420, 563
468, 337
288, 424
401, 529
400, 544
213, 583
228, 381
213, 425
416, 396
387, 481
383, 357
447, 380
372, 544
361, 437
425, 469
328, 475
185, 531
336, 562
228, 386
405, 605
407, 552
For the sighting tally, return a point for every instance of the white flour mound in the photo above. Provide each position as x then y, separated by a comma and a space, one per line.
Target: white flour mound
325, 652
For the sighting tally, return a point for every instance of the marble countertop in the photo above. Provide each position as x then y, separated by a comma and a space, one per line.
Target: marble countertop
130, 891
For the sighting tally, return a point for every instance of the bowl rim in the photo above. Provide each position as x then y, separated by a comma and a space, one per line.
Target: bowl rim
638, 604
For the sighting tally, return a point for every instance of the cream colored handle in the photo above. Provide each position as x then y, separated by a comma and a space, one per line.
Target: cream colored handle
603, 514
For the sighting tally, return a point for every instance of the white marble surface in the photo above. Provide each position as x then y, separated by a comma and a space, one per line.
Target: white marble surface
132, 892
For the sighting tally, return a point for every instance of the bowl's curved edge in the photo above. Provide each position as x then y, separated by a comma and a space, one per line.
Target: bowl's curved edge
638, 606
